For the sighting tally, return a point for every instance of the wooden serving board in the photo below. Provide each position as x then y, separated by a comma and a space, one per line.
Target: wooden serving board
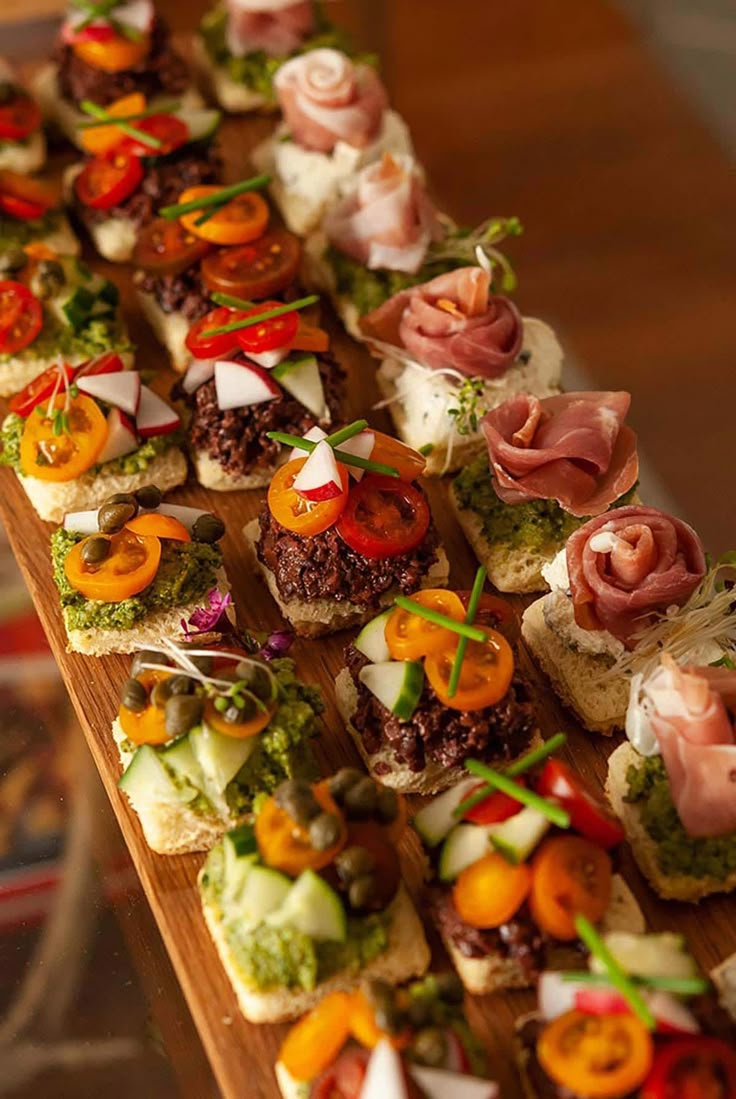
242, 1055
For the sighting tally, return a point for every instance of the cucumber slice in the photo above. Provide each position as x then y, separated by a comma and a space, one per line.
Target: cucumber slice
264, 891
650, 955
98, 297
397, 684
465, 844
371, 641
146, 781
517, 837
313, 908
220, 757
436, 819
182, 761
241, 853
301, 378
202, 123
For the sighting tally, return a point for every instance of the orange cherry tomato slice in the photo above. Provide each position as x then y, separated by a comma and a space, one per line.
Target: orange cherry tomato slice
571, 876
599, 1056
365, 1029
101, 140
285, 845
146, 726
315, 1041
295, 513
239, 730
409, 636
239, 221
63, 457
21, 317
408, 462
490, 891
112, 54
485, 676
159, 526
130, 567
254, 271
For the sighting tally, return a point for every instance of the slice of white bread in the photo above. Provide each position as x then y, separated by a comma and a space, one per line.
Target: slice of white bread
323, 616
52, 500
407, 955
677, 887
576, 676
724, 978
17, 372
170, 330
115, 238
23, 156
290, 1087
149, 631
433, 778
210, 473
173, 829
482, 976
317, 274
233, 96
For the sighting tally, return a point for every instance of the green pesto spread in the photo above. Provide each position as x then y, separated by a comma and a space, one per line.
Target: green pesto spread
11, 432
281, 957
368, 289
20, 231
97, 335
538, 525
186, 573
256, 70
10, 436
677, 851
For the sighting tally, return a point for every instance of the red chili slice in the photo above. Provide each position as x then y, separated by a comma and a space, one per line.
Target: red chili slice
21, 317
589, 815
104, 183
384, 517
19, 118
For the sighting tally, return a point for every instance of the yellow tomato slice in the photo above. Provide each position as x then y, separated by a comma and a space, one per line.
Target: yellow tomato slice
599, 1056
159, 526
114, 55
100, 140
242, 729
284, 844
365, 1029
571, 875
130, 567
62, 457
485, 675
147, 726
490, 891
409, 636
242, 219
409, 463
295, 513
314, 1042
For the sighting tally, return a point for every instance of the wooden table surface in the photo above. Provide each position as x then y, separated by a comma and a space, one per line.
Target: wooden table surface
568, 124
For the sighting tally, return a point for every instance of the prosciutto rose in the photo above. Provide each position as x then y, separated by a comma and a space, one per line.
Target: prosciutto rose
387, 221
628, 565
573, 448
278, 27
698, 743
452, 321
325, 98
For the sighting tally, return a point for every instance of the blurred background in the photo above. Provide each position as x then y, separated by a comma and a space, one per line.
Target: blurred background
609, 128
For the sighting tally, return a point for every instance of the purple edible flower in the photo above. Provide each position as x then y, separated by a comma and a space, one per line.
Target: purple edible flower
207, 619
276, 644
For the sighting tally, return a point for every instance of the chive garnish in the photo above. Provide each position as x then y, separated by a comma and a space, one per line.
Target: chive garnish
342, 455
93, 123
109, 119
679, 986
346, 433
457, 664
217, 198
518, 767
550, 809
616, 976
252, 322
231, 302
473, 633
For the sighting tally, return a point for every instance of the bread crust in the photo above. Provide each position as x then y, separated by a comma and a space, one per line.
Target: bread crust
210, 473
169, 328
24, 157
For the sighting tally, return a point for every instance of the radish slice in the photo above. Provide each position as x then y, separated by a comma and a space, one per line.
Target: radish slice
319, 477
456, 1059
121, 390
187, 516
239, 385
600, 1001
269, 359
81, 522
314, 435
556, 996
154, 416
384, 1078
198, 372
672, 1016
121, 437
361, 445
438, 1083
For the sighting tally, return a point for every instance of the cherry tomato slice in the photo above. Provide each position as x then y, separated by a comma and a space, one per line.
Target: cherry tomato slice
269, 335
40, 389
284, 844
101, 140
490, 891
170, 131
692, 1068
212, 347
107, 363
57, 458
495, 612
20, 208
106, 182
26, 198
130, 567
589, 814
372, 836
19, 117
146, 726
599, 1056
293, 512
312, 1044
496, 808
384, 517
571, 875
21, 316
239, 221
111, 53
254, 271
166, 248
410, 637
485, 675
408, 462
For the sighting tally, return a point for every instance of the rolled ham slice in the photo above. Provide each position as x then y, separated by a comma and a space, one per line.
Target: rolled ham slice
573, 448
278, 27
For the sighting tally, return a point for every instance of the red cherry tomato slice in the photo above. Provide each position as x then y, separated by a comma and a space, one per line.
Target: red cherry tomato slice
38, 390
212, 347
107, 363
166, 248
21, 317
104, 183
170, 131
384, 517
692, 1068
26, 198
495, 613
254, 271
20, 208
268, 335
589, 815
344, 1079
19, 118
497, 806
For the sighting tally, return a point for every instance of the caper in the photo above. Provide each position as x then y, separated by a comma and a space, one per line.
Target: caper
450, 987
95, 550
388, 804
112, 517
149, 496
134, 695
362, 891
202, 663
48, 278
182, 713
297, 799
324, 831
257, 679
361, 799
181, 685
161, 693
12, 261
147, 656
429, 1046
343, 780
354, 862
208, 528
